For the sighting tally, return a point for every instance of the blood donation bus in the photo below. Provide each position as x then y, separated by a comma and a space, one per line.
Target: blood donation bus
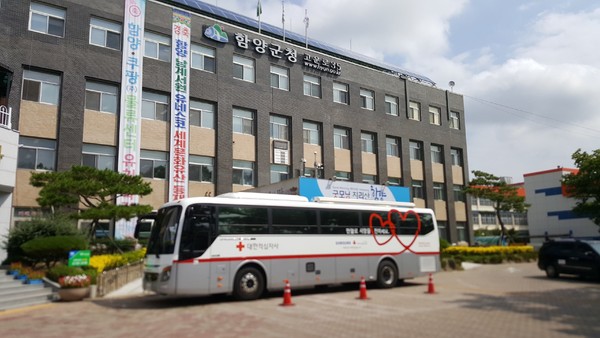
245, 243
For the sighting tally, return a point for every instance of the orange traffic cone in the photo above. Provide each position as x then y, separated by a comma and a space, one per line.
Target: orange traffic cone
430, 287
287, 294
363, 289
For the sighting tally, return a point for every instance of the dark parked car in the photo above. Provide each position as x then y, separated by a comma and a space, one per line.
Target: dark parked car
570, 256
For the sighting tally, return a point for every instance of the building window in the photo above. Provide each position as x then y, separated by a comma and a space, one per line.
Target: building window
105, 33
279, 127
311, 133
370, 179
99, 156
341, 138
343, 176
155, 106
368, 142
41, 87
36, 153
340, 93
367, 100
393, 181
443, 229
279, 173
434, 115
153, 164
439, 191
488, 218
454, 120
101, 97
243, 68
461, 232
391, 105
456, 156
201, 168
416, 150
47, 19
437, 154
417, 189
391, 146
414, 111
459, 194
312, 86
243, 121
202, 114
280, 77
157, 46
203, 58
243, 172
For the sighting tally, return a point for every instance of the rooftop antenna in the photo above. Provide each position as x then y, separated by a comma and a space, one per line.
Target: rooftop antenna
451, 84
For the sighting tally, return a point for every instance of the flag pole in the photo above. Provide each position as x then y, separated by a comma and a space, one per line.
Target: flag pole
283, 17
258, 13
306, 28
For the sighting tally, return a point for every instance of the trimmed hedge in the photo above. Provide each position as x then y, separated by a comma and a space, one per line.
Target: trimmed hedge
490, 254
108, 262
51, 250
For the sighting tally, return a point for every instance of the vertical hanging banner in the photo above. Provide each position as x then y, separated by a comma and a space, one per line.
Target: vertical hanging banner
180, 68
131, 104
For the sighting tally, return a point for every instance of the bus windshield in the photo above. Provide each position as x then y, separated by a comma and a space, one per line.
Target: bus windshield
162, 238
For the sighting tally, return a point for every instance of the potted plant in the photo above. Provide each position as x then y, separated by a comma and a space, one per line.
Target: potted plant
74, 287
35, 277
23, 272
15, 268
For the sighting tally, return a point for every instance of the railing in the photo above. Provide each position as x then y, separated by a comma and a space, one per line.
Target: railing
5, 113
112, 280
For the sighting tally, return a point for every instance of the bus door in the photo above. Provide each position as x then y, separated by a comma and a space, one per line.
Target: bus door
197, 234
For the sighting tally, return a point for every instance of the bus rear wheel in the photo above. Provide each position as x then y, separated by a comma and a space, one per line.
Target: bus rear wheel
249, 284
387, 275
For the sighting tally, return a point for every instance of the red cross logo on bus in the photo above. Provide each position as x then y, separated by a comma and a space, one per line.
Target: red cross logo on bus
240, 246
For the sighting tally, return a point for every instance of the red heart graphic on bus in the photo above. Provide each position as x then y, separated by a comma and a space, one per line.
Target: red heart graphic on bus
403, 216
376, 218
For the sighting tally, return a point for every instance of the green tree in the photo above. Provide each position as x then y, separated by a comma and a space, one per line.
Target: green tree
504, 196
89, 193
584, 186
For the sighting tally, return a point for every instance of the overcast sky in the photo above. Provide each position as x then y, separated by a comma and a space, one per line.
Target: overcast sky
529, 71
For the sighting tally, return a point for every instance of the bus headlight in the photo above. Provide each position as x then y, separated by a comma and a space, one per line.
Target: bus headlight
165, 274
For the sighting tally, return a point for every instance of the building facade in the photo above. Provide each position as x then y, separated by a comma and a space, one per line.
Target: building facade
257, 109
551, 210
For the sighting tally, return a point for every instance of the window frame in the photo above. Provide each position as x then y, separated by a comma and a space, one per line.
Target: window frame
243, 167
102, 91
312, 133
105, 26
417, 189
456, 156
283, 76
155, 103
280, 170
38, 145
280, 126
414, 111
341, 138
416, 153
156, 157
439, 191
391, 102
312, 83
240, 116
201, 51
392, 148
437, 153
160, 40
44, 81
368, 142
435, 115
248, 67
454, 120
49, 12
99, 151
343, 88
367, 99
203, 114
201, 162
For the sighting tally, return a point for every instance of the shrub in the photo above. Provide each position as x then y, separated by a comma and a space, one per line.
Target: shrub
108, 262
63, 270
111, 246
51, 250
73, 282
56, 225
444, 244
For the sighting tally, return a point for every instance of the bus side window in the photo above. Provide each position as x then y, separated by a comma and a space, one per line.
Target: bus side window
196, 233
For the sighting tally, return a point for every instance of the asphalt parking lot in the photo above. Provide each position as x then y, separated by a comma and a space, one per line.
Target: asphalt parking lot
509, 300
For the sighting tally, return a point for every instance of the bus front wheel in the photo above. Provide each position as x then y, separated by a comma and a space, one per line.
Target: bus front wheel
387, 275
249, 284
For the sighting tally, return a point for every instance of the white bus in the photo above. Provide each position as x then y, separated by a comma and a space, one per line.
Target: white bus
246, 243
